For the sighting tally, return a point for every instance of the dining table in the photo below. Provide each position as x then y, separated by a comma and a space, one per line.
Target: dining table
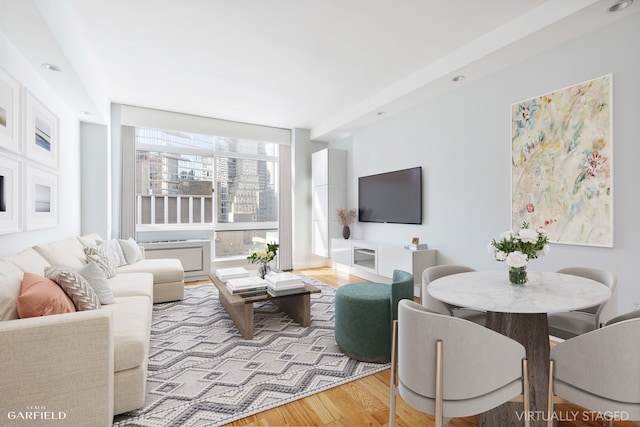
520, 312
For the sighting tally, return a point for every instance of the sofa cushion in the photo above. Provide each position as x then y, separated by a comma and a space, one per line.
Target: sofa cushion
164, 270
10, 280
98, 282
40, 296
29, 261
74, 285
105, 259
89, 240
132, 284
68, 252
131, 331
130, 250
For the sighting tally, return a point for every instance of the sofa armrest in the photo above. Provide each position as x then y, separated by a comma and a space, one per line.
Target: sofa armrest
57, 367
142, 251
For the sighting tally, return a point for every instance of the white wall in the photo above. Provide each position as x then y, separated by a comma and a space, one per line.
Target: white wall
462, 141
96, 175
69, 155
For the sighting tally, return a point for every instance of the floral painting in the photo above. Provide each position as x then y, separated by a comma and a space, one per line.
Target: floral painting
561, 163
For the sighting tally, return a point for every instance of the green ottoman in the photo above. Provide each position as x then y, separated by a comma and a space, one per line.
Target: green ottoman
363, 321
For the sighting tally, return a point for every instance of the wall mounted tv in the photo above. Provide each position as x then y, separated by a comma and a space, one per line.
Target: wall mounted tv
391, 197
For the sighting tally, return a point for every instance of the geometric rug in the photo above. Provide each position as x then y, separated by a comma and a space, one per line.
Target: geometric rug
203, 373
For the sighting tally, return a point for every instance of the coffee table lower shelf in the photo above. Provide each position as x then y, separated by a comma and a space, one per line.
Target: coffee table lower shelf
297, 306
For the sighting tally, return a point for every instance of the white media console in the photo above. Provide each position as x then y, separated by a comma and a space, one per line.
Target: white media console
373, 260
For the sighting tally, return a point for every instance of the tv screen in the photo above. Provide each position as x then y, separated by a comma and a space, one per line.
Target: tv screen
393, 197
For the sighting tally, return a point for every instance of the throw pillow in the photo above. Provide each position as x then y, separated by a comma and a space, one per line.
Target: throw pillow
98, 281
74, 285
40, 296
104, 258
131, 250
115, 250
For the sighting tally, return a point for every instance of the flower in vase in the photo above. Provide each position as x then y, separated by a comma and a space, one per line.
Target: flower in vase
518, 247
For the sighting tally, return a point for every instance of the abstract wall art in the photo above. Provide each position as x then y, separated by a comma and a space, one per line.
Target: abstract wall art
562, 163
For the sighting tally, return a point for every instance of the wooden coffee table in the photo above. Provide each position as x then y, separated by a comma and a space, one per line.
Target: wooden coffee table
297, 305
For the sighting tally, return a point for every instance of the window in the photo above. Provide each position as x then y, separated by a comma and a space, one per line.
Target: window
187, 181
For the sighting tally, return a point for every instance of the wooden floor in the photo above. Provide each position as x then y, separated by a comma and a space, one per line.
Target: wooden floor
365, 402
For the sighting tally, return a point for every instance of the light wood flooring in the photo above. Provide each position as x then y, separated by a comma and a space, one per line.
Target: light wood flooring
365, 402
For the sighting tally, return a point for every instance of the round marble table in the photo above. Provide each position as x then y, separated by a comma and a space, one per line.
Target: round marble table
520, 312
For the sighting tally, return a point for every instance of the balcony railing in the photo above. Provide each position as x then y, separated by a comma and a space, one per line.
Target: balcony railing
173, 209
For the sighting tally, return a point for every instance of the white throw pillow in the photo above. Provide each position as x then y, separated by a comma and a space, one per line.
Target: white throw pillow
131, 250
106, 260
96, 278
115, 250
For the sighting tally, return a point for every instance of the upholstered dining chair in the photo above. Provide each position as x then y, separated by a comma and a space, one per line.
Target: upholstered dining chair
626, 316
432, 273
599, 370
450, 367
570, 324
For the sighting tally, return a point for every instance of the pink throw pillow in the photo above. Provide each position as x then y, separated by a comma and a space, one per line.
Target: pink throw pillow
40, 296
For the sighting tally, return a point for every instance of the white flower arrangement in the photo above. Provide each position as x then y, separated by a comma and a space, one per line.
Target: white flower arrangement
264, 254
518, 247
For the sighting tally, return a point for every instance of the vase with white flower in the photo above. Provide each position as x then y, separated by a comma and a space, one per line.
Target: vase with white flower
517, 248
263, 256
345, 218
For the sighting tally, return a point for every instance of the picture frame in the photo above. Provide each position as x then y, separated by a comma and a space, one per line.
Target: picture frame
562, 163
9, 113
10, 202
41, 206
40, 132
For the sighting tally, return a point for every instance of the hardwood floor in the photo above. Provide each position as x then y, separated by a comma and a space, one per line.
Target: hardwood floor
365, 402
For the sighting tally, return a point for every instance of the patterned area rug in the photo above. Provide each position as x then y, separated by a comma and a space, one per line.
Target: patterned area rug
202, 373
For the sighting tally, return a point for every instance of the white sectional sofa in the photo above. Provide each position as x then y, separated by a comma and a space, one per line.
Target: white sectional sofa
83, 367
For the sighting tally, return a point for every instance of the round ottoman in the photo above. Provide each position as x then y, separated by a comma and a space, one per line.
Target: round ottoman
363, 321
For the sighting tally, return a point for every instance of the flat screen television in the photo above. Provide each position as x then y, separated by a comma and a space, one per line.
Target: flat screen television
391, 197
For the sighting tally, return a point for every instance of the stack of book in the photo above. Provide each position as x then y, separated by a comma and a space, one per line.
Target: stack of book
249, 288
226, 274
417, 246
280, 284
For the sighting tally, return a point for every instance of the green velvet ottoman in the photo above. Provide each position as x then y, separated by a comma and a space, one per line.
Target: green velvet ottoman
362, 321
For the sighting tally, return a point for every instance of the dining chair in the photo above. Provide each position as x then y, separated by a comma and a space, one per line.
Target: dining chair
450, 367
432, 273
626, 316
599, 370
570, 324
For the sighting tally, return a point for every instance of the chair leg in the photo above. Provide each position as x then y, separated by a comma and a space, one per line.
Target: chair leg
550, 392
525, 393
439, 386
393, 383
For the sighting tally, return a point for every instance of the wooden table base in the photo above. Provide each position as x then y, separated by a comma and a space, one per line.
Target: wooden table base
297, 306
532, 331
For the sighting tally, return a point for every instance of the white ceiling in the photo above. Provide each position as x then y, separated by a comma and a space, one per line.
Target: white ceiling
325, 65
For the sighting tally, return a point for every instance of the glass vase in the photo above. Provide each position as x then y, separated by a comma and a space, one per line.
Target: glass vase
346, 231
264, 269
518, 275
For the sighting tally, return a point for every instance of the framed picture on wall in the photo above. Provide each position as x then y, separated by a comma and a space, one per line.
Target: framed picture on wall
41, 198
562, 163
40, 132
10, 203
9, 112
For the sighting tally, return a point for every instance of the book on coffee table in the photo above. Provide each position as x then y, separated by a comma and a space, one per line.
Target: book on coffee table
246, 284
226, 274
283, 292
